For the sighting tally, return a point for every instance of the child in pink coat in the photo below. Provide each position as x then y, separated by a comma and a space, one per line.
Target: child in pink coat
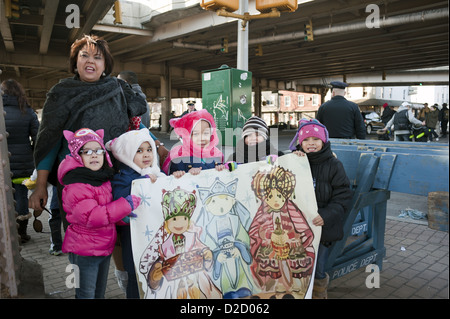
92, 213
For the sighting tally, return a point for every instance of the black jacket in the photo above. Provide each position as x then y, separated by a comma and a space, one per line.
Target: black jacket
388, 113
333, 193
20, 126
342, 118
249, 154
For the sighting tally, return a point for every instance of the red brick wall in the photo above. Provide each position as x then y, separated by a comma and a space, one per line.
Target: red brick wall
294, 107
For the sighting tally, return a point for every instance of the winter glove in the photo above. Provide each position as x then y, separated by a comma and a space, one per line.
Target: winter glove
134, 201
231, 166
271, 158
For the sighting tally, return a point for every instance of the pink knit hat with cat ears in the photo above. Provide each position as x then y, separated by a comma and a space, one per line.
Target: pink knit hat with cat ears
76, 141
308, 128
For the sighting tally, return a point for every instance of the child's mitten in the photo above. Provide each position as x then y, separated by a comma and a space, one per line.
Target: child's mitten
134, 201
231, 166
271, 158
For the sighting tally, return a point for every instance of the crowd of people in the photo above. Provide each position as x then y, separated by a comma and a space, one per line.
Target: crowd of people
91, 144
414, 125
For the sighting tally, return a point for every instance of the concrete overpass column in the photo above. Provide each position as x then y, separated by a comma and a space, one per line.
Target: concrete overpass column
258, 98
166, 103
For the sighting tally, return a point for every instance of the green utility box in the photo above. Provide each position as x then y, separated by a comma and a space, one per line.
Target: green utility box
227, 95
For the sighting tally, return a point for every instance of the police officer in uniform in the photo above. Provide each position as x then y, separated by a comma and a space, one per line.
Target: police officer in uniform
341, 117
191, 107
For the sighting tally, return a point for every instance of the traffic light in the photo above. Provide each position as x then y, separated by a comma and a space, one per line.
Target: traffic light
224, 47
228, 5
309, 36
259, 50
12, 9
117, 13
281, 5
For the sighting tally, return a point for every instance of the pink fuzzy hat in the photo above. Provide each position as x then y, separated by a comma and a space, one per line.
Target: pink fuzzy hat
184, 125
76, 141
308, 128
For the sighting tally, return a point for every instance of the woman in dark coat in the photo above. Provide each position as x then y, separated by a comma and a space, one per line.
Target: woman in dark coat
91, 99
332, 189
21, 124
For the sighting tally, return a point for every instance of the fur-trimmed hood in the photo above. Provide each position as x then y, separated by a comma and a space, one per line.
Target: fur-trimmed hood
183, 127
125, 146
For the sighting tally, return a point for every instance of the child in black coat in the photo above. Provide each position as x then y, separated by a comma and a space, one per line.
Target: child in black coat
332, 189
255, 144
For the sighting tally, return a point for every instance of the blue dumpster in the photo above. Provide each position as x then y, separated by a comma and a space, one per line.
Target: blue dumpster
375, 168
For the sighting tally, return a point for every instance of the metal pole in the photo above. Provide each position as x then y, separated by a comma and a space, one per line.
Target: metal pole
242, 45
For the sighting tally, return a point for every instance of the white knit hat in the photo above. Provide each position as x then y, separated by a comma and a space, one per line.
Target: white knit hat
406, 104
125, 146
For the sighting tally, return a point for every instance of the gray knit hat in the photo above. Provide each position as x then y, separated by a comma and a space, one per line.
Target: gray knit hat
255, 125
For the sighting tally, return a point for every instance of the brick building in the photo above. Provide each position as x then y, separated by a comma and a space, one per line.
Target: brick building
289, 106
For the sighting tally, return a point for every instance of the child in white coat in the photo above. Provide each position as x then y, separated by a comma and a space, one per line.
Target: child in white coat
136, 151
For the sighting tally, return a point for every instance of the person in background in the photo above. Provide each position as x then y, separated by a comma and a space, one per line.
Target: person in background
443, 118
388, 113
55, 223
402, 121
131, 78
91, 98
431, 120
190, 109
423, 112
22, 125
341, 117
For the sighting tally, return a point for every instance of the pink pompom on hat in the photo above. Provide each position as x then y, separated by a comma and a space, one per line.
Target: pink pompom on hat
76, 141
309, 128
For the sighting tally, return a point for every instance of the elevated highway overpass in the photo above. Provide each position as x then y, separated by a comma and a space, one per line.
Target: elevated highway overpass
170, 45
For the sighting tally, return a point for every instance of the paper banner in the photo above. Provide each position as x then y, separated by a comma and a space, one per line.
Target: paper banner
241, 234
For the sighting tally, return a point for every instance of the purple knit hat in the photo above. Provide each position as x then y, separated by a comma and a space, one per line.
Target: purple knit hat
308, 128
76, 141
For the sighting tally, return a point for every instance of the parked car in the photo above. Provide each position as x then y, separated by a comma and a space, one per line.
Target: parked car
280, 126
372, 121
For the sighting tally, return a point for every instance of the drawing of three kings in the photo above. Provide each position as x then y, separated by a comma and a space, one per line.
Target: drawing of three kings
224, 253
